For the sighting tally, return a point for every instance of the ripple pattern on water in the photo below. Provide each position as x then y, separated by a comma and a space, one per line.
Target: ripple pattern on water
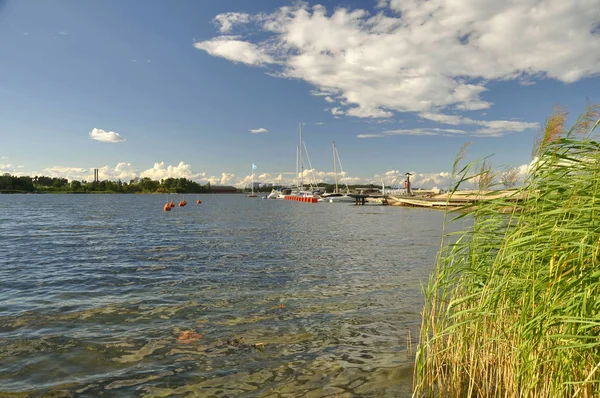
290, 299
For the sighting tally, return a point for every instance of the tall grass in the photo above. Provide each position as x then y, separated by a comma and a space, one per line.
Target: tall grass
513, 306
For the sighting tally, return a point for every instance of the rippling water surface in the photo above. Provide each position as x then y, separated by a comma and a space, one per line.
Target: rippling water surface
96, 291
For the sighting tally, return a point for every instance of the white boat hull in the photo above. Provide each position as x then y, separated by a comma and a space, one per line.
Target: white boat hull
336, 199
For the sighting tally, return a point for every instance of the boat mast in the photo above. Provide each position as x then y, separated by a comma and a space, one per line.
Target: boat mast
335, 169
301, 161
252, 194
297, 176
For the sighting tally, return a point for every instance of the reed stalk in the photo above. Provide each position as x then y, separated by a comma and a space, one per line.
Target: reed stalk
512, 308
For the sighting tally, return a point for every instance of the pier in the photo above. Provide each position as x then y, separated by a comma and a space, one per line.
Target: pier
455, 200
362, 199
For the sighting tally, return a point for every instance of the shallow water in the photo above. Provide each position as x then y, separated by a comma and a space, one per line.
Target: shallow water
96, 289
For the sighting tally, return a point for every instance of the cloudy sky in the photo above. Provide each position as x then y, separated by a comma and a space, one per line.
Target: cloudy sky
203, 89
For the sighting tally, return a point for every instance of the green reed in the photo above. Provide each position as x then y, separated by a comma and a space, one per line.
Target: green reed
512, 308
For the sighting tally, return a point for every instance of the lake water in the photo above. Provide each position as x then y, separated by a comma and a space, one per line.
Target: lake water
96, 291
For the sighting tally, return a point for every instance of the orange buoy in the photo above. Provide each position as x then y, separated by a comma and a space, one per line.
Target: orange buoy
171, 204
182, 203
167, 207
198, 201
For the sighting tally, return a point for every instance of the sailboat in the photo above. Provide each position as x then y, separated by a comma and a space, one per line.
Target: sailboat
300, 194
336, 196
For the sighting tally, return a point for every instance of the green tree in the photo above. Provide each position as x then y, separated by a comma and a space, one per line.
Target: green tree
59, 182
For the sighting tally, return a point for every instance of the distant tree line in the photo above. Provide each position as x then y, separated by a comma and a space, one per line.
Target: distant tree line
10, 183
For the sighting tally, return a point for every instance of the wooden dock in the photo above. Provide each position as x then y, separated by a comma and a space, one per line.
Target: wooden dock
424, 202
458, 199
363, 199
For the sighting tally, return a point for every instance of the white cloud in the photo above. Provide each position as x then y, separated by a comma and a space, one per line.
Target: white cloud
227, 20
105, 136
225, 179
309, 176
182, 170
491, 128
264, 178
525, 169
430, 180
235, 50
70, 173
337, 112
473, 105
245, 181
394, 179
444, 119
320, 93
329, 99
123, 171
368, 112
415, 56
382, 4
319, 123
259, 130
526, 82
420, 131
391, 178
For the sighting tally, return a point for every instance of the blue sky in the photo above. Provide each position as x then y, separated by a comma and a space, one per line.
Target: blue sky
398, 85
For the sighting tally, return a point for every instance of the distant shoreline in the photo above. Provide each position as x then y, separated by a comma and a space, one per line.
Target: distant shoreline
14, 192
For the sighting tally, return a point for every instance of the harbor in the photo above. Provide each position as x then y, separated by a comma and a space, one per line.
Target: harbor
407, 197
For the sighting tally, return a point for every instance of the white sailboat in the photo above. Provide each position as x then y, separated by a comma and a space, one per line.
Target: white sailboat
300, 194
337, 196
274, 194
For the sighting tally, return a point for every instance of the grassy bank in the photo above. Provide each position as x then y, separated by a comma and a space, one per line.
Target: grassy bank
513, 306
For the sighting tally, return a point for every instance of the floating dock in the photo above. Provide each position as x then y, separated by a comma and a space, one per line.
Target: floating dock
304, 199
